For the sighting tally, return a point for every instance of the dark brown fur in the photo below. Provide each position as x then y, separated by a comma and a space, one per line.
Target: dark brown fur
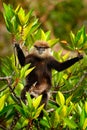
39, 80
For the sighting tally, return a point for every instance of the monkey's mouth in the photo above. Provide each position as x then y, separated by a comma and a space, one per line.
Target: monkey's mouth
41, 50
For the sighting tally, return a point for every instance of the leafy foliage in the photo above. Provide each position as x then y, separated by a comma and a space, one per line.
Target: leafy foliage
64, 110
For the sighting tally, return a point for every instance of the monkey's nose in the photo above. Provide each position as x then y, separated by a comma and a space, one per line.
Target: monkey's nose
41, 50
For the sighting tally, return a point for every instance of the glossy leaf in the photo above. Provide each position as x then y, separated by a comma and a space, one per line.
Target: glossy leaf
23, 70
68, 100
72, 36
82, 118
45, 123
38, 111
85, 124
86, 107
53, 42
70, 123
28, 71
60, 99
30, 105
55, 119
2, 102
36, 102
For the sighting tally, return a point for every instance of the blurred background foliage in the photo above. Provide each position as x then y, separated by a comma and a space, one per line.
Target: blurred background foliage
59, 16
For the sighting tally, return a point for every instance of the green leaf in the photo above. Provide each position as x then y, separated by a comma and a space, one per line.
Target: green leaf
82, 118
8, 11
36, 102
25, 108
45, 123
86, 107
85, 124
55, 119
23, 70
27, 17
30, 105
48, 35
38, 111
63, 111
72, 36
6, 109
52, 42
43, 36
60, 99
10, 18
81, 37
20, 110
2, 102
21, 16
68, 100
78, 108
28, 71
70, 123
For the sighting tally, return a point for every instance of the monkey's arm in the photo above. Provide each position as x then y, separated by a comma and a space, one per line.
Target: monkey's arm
64, 65
20, 55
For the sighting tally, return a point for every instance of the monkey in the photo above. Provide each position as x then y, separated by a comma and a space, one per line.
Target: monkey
39, 81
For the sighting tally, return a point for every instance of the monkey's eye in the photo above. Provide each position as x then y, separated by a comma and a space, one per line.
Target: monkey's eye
43, 48
40, 49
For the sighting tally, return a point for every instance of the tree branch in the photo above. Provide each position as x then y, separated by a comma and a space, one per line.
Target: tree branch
5, 78
77, 85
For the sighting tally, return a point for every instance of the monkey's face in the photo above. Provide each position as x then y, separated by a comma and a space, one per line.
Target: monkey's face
41, 51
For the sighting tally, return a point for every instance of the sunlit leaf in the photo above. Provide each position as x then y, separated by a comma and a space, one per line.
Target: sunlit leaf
64, 111
28, 71
48, 35
36, 102
43, 36
25, 122
68, 100
85, 124
38, 111
72, 36
60, 98
29, 100
23, 70
70, 123
53, 42
45, 123
27, 30
82, 118
86, 107
55, 119
21, 16
2, 102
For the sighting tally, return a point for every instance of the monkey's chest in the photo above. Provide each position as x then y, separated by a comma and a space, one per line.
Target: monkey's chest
41, 70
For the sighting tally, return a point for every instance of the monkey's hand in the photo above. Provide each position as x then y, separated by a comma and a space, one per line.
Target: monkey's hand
80, 56
17, 46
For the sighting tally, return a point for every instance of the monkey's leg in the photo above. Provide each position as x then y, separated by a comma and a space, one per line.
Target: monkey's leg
44, 99
23, 93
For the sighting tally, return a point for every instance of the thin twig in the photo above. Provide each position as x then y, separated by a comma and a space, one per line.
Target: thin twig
50, 110
3, 89
77, 85
5, 78
3, 127
17, 99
